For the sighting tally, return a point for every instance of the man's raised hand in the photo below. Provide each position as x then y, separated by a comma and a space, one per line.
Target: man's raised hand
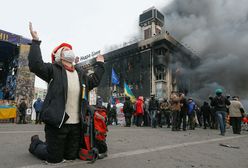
32, 32
100, 58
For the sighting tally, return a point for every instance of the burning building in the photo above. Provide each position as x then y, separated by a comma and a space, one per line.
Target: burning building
149, 66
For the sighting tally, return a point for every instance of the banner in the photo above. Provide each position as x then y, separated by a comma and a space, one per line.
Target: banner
13, 38
7, 112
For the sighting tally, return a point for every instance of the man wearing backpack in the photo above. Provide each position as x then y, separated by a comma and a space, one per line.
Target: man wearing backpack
219, 102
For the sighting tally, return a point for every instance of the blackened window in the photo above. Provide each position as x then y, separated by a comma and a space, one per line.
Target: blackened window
148, 33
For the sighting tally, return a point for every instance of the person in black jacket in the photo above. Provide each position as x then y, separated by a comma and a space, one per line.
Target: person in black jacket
153, 110
206, 112
183, 112
6, 94
128, 111
22, 111
113, 115
65, 102
220, 103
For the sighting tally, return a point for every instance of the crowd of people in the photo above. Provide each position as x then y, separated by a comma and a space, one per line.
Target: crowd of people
177, 112
181, 113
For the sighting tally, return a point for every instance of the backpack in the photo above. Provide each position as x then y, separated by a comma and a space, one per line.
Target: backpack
100, 119
221, 102
94, 134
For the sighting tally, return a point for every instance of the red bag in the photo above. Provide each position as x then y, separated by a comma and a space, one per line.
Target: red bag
245, 119
88, 155
100, 119
95, 134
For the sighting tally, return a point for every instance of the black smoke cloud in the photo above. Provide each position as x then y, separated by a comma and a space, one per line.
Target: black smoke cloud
218, 31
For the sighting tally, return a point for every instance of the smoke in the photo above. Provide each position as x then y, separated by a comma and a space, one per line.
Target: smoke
245, 105
217, 31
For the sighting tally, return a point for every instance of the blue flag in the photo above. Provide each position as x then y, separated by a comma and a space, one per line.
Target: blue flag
114, 78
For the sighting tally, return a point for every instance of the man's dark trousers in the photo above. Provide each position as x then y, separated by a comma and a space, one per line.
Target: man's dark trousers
61, 143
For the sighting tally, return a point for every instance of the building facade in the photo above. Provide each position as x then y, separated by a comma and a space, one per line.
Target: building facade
149, 66
40, 93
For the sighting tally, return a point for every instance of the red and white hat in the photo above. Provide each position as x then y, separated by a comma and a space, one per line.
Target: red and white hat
56, 54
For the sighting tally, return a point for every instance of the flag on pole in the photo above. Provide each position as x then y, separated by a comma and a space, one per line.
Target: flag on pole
129, 93
114, 78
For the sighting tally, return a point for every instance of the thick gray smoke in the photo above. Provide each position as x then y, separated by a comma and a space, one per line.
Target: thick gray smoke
218, 31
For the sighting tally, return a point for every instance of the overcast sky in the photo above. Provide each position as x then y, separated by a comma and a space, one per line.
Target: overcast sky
89, 25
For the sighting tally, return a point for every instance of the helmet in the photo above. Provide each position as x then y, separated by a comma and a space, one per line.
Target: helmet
218, 91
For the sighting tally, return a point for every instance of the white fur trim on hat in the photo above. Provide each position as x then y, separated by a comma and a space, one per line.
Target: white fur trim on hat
58, 54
